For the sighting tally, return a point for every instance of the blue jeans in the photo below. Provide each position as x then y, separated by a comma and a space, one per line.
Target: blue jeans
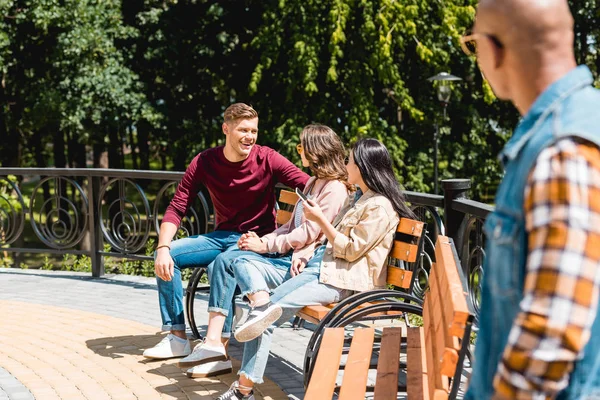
294, 294
257, 272
190, 252
223, 284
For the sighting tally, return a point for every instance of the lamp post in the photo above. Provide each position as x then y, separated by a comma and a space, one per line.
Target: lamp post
444, 93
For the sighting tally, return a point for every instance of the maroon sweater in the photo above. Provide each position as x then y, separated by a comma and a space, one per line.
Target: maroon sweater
242, 193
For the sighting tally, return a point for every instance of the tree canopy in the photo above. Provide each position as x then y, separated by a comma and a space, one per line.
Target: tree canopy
157, 75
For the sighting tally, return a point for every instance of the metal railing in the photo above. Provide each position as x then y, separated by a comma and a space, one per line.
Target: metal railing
112, 213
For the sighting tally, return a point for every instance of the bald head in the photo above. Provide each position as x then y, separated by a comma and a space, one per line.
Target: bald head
531, 24
532, 46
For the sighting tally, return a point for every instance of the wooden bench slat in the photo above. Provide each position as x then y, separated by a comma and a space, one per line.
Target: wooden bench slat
428, 332
288, 197
315, 314
417, 380
322, 384
283, 217
399, 277
410, 227
405, 251
456, 294
354, 384
434, 352
444, 341
386, 383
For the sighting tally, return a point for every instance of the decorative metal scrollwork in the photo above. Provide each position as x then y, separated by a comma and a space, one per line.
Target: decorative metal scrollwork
426, 258
194, 223
473, 247
61, 220
12, 211
123, 225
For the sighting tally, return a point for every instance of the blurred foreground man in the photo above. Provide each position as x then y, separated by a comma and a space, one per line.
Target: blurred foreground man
539, 336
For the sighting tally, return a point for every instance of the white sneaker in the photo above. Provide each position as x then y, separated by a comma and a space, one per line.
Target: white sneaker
171, 346
203, 353
210, 369
259, 319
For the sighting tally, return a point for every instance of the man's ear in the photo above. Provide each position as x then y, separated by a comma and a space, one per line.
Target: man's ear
225, 128
499, 55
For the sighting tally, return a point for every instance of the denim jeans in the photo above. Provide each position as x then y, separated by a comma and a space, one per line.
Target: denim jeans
257, 272
223, 285
302, 290
190, 252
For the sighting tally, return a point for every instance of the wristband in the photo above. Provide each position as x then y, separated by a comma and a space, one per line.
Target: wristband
163, 245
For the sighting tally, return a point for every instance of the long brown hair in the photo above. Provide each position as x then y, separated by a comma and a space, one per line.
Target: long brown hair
325, 153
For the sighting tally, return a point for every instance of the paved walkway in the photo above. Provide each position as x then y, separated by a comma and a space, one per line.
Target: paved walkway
66, 335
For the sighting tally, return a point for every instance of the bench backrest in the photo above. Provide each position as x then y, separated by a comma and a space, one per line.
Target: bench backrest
407, 246
446, 322
286, 198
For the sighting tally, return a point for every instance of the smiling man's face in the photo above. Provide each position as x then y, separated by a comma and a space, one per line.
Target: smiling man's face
241, 136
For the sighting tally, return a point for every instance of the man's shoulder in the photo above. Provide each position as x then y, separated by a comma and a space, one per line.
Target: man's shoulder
265, 151
211, 152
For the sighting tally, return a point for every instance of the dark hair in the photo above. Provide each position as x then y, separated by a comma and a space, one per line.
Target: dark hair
375, 165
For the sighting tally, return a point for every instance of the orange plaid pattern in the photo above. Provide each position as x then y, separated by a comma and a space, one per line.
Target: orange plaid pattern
562, 211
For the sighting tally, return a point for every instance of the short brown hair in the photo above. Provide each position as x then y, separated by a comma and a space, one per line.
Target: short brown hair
325, 153
239, 111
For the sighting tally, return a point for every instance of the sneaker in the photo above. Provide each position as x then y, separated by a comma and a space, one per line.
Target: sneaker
234, 394
171, 346
259, 319
210, 369
203, 353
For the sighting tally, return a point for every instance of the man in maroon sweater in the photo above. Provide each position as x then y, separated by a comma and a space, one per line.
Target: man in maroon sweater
240, 178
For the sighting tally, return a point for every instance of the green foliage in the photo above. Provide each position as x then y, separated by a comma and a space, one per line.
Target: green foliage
6, 261
75, 263
166, 70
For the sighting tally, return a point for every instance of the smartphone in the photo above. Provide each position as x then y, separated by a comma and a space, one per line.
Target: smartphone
302, 195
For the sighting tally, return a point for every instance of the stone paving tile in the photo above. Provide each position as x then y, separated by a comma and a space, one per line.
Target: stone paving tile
60, 353
135, 299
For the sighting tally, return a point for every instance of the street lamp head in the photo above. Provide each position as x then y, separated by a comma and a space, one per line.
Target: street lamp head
444, 93
444, 90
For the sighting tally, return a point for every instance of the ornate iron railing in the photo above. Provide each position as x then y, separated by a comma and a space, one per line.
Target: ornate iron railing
113, 213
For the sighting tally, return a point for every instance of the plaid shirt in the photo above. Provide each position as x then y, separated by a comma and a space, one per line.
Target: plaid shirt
562, 211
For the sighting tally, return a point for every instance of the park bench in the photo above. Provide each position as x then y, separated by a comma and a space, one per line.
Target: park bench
429, 358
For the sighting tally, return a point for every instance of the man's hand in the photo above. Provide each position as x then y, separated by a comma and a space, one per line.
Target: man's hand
164, 264
297, 266
312, 211
245, 236
251, 242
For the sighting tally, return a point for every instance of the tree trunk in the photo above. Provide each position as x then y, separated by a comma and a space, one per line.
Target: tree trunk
133, 147
114, 145
143, 129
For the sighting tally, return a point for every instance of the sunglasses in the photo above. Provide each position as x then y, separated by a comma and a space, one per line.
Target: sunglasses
299, 148
468, 42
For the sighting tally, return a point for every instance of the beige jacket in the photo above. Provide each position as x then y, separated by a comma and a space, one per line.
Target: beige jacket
330, 195
356, 260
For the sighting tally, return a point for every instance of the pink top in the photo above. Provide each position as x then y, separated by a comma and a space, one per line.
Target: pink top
330, 195
242, 193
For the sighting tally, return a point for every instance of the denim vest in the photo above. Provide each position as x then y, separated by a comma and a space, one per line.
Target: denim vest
568, 108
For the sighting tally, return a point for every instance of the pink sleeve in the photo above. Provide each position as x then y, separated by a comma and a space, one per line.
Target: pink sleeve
186, 192
330, 199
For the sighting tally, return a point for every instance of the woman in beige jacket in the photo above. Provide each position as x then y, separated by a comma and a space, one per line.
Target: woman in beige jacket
268, 259
351, 259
